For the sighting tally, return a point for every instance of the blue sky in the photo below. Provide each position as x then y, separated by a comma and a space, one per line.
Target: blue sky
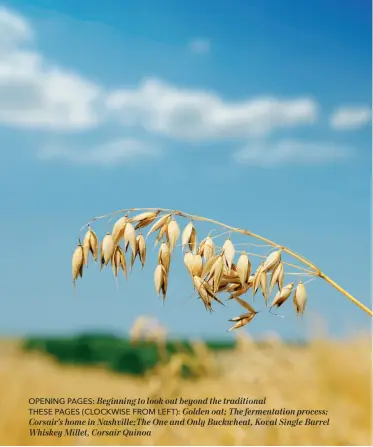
257, 115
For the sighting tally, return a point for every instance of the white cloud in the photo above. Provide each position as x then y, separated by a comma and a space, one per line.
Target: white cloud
350, 118
291, 152
195, 115
35, 92
199, 46
111, 153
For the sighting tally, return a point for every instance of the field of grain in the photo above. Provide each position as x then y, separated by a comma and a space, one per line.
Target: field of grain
327, 375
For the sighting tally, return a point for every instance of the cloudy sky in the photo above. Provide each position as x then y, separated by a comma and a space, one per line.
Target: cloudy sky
257, 115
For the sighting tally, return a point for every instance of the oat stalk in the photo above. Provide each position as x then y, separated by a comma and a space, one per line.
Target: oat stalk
312, 268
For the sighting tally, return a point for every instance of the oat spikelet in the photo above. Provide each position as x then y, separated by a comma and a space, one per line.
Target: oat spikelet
197, 265
272, 261
141, 247
144, 219
107, 248
118, 261
160, 280
118, 229
164, 256
242, 320
188, 261
216, 273
207, 248
282, 295
202, 292
243, 268
189, 237
277, 277
256, 280
300, 299
159, 224
229, 251
87, 246
93, 244
208, 266
173, 234
263, 285
77, 262
130, 237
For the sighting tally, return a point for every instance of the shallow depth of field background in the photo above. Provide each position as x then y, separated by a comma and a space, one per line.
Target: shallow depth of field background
257, 115
321, 374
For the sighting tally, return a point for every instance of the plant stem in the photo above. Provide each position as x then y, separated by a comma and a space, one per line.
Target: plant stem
300, 258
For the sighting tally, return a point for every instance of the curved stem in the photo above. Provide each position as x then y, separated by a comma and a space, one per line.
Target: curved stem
300, 258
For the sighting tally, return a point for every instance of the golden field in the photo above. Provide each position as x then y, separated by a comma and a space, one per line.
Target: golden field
335, 376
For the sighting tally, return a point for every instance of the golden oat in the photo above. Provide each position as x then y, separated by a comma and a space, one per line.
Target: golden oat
164, 256
189, 237
207, 248
107, 248
300, 299
197, 265
263, 285
130, 237
160, 280
141, 248
144, 219
188, 261
272, 261
241, 320
173, 234
282, 295
229, 252
77, 262
256, 280
277, 277
90, 245
159, 224
118, 261
243, 268
118, 229
206, 298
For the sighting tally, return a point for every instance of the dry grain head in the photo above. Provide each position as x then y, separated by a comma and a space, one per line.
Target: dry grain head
77, 262
118, 261
300, 298
243, 268
173, 234
272, 261
130, 237
141, 248
277, 277
282, 295
216, 273
263, 285
164, 220
118, 229
208, 266
189, 237
144, 219
160, 280
90, 244
197, 265
202, 292
242, 320
256, 280
229, 251
207, 248
164, 256
188, 261
107, 248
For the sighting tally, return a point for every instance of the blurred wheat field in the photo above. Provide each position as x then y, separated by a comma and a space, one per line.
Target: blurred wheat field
326, 374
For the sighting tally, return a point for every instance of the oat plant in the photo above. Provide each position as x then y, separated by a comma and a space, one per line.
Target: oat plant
213, 269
